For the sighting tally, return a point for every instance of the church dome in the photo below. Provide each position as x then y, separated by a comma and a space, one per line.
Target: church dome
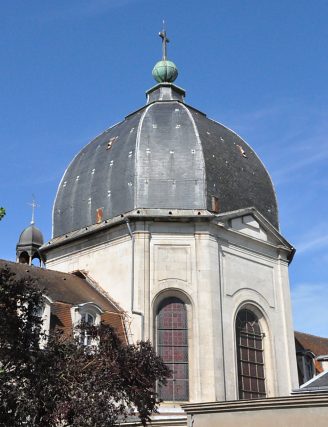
167, 155
30, 236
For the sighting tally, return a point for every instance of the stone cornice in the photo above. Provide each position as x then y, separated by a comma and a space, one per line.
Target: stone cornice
299, 401
183, 215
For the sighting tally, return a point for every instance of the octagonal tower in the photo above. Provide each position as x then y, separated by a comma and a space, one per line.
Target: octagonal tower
176, 217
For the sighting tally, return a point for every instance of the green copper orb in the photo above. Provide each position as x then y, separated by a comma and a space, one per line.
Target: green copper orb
165, 72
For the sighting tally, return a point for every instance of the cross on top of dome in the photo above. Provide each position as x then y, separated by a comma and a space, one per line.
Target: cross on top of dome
34, 205
165, 41
165, 71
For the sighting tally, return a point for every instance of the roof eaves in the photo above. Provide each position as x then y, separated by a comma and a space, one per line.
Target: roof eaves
161, 214
262, 220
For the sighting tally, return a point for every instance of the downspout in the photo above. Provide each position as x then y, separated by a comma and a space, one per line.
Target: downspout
133, 311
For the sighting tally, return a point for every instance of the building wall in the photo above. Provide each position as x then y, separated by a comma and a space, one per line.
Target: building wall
216, 269
296, 411
294, 417
106, 259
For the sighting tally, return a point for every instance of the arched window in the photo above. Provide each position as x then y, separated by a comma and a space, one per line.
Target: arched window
24, 258
305, 364
36, 260
85, 338
251, 380
172, 346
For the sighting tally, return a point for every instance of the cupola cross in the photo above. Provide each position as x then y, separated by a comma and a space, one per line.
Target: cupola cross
33, 205
165, 41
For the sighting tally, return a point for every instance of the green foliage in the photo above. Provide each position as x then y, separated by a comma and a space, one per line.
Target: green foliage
20, 331
65, 383
2, 213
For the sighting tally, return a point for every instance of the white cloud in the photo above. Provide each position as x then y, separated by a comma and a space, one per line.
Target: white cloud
309, 301
313, 240
316, 243
302, 157
290, 137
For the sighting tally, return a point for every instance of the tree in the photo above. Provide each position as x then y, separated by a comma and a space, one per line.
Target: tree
65, 383
2, 213
20, 330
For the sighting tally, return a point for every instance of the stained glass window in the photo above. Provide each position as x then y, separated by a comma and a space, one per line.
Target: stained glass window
172, 346
251, 379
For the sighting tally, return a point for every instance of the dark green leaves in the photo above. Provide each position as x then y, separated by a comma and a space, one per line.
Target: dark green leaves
65, 383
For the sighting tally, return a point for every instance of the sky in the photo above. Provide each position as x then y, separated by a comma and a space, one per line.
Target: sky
71, 69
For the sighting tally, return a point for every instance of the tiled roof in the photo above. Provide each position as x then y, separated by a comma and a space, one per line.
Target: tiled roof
317, 383
117, 322
166, 155
66, 290
318, 345
61, 287
61, 318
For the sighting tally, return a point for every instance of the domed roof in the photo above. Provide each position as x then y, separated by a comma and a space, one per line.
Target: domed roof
167, 155
31, 236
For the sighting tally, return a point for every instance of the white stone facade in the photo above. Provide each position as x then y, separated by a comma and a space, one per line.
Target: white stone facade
217, 264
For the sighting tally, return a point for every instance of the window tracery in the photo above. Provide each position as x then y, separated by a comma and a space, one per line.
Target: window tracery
172, 346
251, 374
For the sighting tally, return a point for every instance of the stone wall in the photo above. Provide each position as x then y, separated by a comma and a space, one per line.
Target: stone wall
297, 411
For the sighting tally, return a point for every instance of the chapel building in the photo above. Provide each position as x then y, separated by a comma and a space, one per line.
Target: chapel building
175, 217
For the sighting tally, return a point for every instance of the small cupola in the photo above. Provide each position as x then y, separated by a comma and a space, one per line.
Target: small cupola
30, 240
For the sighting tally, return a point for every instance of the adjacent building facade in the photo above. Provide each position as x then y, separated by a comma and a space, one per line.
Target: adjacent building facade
68, 299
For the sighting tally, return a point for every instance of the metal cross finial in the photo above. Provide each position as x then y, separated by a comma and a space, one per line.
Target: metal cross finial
165, 41
34, 205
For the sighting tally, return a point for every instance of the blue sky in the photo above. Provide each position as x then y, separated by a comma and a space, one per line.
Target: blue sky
70, 69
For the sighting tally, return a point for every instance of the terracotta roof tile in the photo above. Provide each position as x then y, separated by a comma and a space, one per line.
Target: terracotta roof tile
117, 322
61, 287
67, 290
318, 366
61, 318
318, 345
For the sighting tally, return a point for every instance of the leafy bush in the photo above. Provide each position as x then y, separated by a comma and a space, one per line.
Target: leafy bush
66, 384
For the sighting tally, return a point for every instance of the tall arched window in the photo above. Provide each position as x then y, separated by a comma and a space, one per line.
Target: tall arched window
251, 379
172, 346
